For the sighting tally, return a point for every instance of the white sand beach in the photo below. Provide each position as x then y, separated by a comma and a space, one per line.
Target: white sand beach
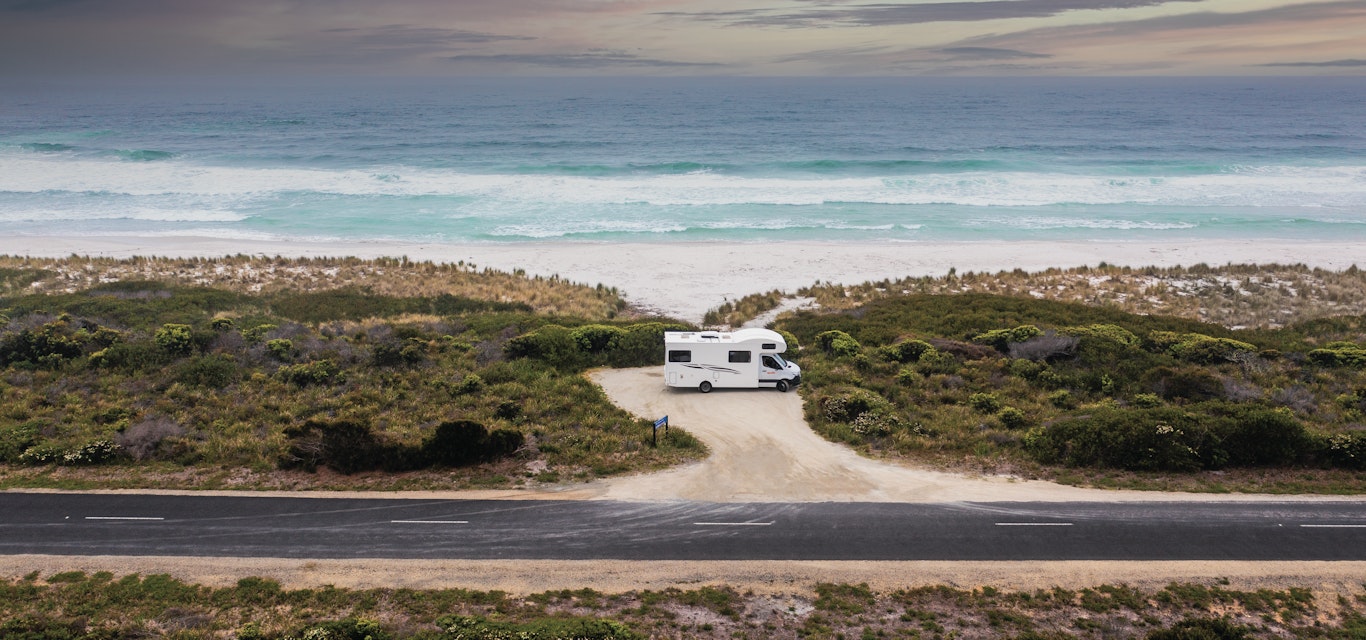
684, 280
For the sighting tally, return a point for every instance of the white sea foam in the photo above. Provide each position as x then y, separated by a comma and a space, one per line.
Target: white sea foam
228, 187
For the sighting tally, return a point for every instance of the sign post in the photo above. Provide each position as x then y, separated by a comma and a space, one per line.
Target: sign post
654, 436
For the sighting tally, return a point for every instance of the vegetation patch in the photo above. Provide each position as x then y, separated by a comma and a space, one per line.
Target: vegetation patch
102, 606
1049, 389
141, 383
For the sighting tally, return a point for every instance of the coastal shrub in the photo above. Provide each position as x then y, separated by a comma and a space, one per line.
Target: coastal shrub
552, 343
1185, 383
1147, 400
222, 324
1062, 399
1170, 439
16, 439
838, 343
906, 351
470, 383
91, 453
130, 356
346, 629
461, 442
210, 371
935, 361
1012, 418
1134, 439
256, 334
175, 339
1203, 349
281, 349
794, 346
43, 453
642, 344
1202, 629
1109, 332
578, 628
1339, 355
1346, 450
1258, 436
1000, 339
45, 346
984, 402
845, 405
596, 338
345, 446
311, 373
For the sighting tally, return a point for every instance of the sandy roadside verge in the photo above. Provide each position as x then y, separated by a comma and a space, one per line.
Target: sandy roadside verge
523, 577
684, 280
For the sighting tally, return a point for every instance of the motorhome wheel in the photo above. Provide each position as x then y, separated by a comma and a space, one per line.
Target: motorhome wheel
705, 387
782, 386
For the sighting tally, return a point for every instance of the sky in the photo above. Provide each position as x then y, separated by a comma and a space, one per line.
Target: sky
53, 38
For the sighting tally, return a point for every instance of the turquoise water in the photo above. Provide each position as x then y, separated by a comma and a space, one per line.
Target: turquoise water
661, 160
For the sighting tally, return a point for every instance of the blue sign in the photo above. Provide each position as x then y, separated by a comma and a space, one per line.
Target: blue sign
661, 422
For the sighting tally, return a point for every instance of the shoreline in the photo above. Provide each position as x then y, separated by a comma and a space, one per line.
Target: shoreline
684, 280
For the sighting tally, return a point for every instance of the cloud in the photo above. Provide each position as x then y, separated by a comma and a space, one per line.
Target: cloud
410, 37
989, 53
586, 60
884, 14
1329, 63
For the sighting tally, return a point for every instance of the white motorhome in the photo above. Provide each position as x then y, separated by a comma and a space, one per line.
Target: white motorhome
748, 358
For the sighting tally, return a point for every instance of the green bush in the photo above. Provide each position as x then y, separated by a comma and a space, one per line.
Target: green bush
1000, 339
1203, 349
211, 371
1012, 418
16, 439
906, 351
576, 628
1110, 332
596, 338
846, 405
936, 361
281, 349
348, 629
222, 324
130, 356
462, 442
1339, 355
838, 343
1151, 439
1171, 439
552, 343
1147, 400
1346, 450
1202, 629
984, 402
47, 346
309, 373
175, 339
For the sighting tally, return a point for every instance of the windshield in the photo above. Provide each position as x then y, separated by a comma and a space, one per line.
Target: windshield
782, 364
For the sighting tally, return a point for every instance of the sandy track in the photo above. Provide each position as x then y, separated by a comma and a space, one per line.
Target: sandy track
763, 451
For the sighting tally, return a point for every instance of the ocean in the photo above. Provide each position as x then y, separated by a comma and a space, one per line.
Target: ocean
485, 160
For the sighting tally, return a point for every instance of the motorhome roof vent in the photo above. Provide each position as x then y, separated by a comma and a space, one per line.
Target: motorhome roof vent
710, 335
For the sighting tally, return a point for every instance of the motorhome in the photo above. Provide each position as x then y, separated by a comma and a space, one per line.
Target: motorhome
743, 359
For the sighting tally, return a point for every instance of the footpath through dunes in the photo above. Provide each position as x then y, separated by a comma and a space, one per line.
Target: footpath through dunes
762, 450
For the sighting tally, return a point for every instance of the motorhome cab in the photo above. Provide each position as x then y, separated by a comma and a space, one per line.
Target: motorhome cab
748, 358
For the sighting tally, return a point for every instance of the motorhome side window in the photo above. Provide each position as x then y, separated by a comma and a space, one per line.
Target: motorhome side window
769, 346
680, 356
739, 356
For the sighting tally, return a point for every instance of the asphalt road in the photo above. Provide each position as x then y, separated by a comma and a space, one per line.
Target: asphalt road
82, 524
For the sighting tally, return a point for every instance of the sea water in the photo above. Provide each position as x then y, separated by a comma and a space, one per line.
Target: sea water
664, 160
